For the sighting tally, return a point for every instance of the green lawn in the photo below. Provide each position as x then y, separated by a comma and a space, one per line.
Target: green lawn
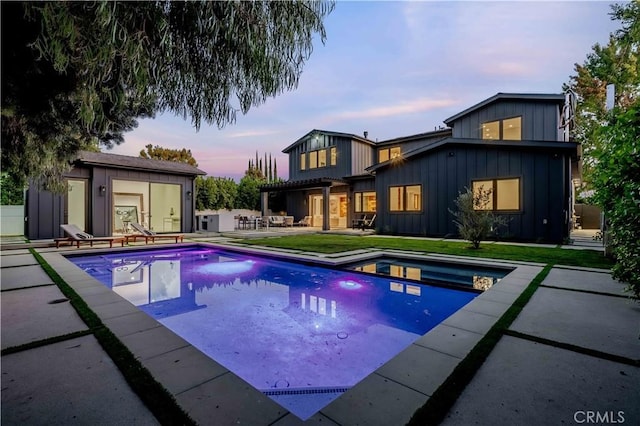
324, 243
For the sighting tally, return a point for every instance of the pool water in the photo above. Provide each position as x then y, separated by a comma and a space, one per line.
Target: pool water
301, 334
475, 277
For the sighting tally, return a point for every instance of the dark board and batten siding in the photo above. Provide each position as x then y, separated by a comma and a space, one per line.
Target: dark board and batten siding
344, 162
446, 172
46, 210
539, 119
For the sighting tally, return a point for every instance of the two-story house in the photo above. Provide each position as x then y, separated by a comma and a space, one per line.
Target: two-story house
512, 144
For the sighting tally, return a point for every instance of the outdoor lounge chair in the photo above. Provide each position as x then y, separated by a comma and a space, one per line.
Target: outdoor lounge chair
368, 223
305, 221
150, 235
357, 223
77, 236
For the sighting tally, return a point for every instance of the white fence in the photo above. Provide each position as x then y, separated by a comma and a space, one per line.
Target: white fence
11, 220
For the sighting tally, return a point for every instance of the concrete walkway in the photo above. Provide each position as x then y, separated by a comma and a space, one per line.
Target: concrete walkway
574, 350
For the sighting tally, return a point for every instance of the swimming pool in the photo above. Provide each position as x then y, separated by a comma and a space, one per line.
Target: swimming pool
476, 277
301, 334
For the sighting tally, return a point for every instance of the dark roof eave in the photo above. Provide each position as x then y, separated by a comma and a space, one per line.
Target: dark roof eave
116, 161
302, 184
533, 145
331, 133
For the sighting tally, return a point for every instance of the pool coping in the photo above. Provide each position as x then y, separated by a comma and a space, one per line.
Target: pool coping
389, 395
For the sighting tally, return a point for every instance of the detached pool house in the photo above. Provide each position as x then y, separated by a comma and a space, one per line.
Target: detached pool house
106, 192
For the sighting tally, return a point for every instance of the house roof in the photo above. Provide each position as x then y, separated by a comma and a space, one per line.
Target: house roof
550, 97
302, 184
136, 163
530, 145
330, 133
432, 134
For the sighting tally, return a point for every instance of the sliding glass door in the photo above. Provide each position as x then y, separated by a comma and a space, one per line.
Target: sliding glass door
156, 206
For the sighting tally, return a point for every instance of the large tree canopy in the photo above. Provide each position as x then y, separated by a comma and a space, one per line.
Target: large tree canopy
616, 63
79, 74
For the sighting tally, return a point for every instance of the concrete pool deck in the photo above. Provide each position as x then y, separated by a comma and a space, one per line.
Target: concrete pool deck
539, 372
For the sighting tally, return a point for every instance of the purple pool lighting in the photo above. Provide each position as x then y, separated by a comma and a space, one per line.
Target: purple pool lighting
300, 334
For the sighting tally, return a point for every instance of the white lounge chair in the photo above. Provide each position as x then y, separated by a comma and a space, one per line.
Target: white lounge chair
77, 236
150, 235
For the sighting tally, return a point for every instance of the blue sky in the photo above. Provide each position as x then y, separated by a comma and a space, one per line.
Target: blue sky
396, 69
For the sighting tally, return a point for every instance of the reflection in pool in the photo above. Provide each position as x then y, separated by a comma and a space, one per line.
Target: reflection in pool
476, 277
301, 334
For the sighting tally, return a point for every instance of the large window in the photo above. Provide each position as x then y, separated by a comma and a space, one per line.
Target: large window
509, 129
365, 202
313, 159
405, 198
388, 153
322, 158
501, 194
76, 206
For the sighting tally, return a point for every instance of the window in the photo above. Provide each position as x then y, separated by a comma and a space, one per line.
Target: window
313, 159
303, 161
503, 194
364, 202
322, 158
405, 198
334, 156
388, 153
508, 129
394, 152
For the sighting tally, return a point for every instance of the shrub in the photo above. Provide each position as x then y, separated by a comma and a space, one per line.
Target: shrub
475, 223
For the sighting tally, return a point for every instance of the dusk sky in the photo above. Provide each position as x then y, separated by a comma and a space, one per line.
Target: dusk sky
396, 69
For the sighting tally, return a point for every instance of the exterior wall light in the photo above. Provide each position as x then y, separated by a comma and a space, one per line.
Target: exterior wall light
103, 189
188, 195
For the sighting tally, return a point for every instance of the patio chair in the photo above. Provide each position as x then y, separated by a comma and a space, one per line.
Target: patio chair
77, 236
305, 221
151, 235
368, 223
357, 223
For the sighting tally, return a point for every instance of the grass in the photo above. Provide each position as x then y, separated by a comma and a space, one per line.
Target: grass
325, 243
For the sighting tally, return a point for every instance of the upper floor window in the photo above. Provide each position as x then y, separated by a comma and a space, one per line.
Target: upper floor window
405, 198
509, 129
318, 158
365, 202
387, 154
322, 158
497, 194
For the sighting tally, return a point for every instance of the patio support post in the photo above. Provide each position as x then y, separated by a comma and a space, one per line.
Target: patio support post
264, 203
325, 208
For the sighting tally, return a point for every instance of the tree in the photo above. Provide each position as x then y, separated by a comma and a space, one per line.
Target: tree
79, 74
610, 139
473, 221
11, 192
617, 183
249, 192
178, 155
215, 193
616, 63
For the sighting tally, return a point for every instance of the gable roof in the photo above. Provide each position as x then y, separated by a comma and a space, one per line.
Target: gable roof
440, 133
549, 97
329, 133
117, 161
